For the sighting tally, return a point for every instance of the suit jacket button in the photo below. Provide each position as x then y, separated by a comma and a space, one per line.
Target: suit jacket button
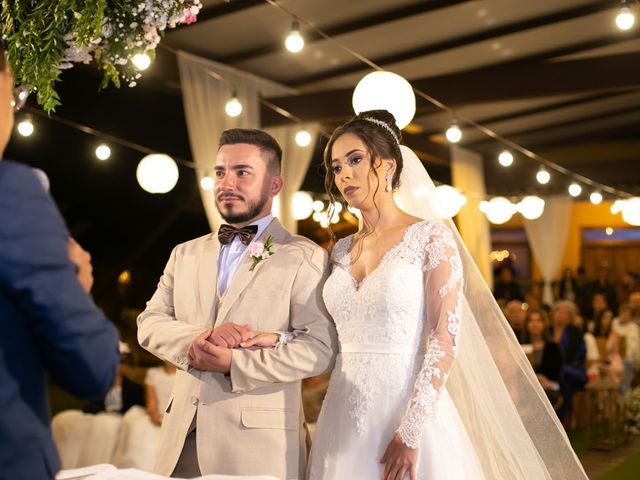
194, 400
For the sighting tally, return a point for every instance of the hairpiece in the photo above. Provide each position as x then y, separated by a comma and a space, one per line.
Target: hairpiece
384, 125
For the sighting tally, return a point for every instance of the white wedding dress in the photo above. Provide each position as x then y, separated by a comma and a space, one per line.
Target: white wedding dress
398, 331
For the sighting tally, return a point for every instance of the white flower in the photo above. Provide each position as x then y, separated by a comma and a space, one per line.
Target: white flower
257, 249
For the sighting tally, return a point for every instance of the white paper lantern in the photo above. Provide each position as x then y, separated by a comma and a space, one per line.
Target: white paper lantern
387, 91
450, 199
531, 207
302, 205
631, 211
499, 210
157, 173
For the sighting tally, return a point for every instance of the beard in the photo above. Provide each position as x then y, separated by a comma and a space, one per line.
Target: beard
253, 209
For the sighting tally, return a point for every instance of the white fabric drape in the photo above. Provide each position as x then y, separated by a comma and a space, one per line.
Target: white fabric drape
467, 176
295, 163
547, 238
206, 88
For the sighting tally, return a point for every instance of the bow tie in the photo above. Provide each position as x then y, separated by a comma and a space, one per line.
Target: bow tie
245, 234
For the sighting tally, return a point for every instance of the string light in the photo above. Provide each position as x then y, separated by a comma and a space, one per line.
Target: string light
303, 138
595, 197
103, 152
575, 189
625, 18
543, 176
206, 183
233, 106
294, 41
505, 158
454, 134
141, 61
25, 127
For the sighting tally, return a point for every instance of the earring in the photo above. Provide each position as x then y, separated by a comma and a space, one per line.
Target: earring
389, 179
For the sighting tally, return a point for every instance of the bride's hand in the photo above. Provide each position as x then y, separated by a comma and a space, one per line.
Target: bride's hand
261, 340
399, 460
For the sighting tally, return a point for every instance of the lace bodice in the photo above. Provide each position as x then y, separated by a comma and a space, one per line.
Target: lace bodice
400, 322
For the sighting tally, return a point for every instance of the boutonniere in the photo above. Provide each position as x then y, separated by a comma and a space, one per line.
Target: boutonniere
260, 251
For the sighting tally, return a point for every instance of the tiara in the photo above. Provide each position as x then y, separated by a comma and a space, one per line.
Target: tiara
384, 125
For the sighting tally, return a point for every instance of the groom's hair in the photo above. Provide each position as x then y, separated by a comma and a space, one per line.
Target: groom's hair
3, 56
269, 147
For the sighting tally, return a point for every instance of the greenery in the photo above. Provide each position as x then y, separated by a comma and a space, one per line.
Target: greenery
632, 403
45, 37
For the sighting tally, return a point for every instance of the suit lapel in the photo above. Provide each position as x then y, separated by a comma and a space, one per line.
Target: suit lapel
208, 278
244, 275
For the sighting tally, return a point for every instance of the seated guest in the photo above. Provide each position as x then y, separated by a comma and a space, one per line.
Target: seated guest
570, 339
138, 444
545, 355
90, 436
624, 327
516, 316
505, 286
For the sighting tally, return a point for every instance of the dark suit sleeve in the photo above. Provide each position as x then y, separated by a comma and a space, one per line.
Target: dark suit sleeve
78, 346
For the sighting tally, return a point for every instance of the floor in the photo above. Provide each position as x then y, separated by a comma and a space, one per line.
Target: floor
599, 462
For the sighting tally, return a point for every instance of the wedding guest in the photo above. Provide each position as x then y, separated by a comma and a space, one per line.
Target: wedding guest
505, 286
573, 347
50, 326
545, 355
516, 316
625, 328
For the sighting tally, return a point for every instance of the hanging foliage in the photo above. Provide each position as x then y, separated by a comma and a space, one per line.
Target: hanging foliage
45, 37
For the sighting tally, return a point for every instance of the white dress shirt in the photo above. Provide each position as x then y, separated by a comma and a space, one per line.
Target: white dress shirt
232, 254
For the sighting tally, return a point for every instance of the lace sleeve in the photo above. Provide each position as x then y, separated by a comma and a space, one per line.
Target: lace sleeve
443, 305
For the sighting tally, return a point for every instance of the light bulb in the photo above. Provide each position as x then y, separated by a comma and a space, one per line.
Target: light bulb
206, 183
543, 176
575, 189
294, 41
303, 138
505, 158
103, 152
25, 127
625, 19
233, 106
595, 197
317, 206
141, 61
454, 134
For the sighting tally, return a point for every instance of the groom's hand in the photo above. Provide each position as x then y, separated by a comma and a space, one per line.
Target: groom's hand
203, 355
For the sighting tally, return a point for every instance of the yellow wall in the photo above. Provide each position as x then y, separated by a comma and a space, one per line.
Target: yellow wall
583, 215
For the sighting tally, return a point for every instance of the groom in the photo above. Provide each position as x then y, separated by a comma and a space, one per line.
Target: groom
238, 411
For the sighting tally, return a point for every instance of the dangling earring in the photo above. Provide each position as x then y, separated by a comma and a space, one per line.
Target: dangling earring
389, 179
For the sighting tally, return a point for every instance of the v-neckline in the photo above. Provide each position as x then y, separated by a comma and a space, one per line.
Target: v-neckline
349, 266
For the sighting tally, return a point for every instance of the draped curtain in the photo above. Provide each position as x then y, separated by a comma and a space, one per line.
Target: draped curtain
206, 87
467, 176
547, 238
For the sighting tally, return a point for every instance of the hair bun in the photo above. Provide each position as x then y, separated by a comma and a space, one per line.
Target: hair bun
383, 116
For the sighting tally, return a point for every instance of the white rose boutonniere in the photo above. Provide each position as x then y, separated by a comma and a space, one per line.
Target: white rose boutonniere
260, 251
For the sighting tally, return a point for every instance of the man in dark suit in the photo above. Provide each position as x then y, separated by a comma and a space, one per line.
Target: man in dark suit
48, 322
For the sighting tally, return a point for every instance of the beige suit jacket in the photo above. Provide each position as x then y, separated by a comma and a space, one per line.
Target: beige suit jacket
248, 422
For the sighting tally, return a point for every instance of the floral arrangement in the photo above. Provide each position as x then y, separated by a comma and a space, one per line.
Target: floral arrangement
260, 251
632, 403
45, 37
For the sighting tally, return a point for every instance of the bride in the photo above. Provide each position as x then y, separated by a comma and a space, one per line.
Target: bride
430, 382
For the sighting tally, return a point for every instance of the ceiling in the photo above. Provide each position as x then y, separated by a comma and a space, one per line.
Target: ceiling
555, 76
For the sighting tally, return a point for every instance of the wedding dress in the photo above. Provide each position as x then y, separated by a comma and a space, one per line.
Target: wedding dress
426, 352
391, 371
